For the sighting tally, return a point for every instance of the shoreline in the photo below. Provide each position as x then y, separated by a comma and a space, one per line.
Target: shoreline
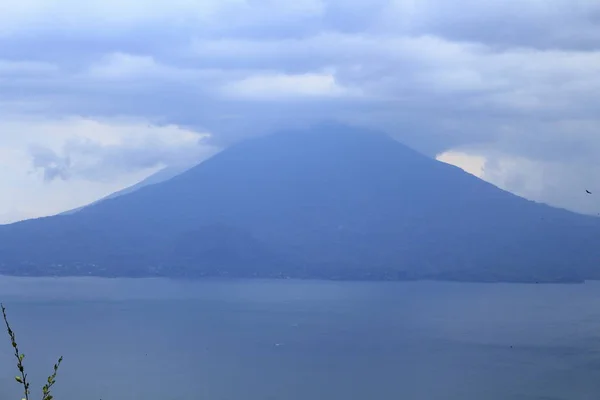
226, 278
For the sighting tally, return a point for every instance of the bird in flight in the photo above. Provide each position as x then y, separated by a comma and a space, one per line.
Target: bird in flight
587, 191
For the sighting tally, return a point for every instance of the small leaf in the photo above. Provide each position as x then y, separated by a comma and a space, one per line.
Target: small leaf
19, 379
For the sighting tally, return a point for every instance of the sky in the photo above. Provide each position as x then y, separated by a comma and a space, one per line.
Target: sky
96, 95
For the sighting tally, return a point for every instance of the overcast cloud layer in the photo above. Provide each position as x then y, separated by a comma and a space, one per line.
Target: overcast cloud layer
95, 95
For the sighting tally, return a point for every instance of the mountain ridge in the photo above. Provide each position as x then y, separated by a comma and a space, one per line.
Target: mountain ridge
162, 175
337, 203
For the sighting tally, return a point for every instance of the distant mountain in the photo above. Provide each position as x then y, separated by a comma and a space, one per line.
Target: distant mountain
162, 175
335, 204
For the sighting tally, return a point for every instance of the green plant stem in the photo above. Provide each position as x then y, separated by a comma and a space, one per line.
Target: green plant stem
23, 378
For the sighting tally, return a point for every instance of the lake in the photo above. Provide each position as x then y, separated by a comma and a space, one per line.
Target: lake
224, 340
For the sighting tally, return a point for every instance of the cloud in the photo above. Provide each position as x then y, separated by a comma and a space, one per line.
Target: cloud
473, 164
110, 18
502, 80
281, 86
512, 23
49, 165
120, 66
552, 182
98, 150
52, 165
8, 68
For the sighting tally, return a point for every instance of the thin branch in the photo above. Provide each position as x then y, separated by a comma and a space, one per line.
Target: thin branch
51, 381
23, 378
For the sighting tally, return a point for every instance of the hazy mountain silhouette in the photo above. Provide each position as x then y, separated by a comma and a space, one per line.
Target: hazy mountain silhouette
328, 203
160, 176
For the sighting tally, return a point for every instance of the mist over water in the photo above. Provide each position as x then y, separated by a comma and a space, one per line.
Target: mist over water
167, 339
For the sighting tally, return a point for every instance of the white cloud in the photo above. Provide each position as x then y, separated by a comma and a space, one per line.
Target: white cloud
280, 86
125, 66
473, 164
83, 159
101, 150
554, 183
396, 67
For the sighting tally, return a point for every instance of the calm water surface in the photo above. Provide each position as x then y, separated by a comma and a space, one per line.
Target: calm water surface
299, 340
